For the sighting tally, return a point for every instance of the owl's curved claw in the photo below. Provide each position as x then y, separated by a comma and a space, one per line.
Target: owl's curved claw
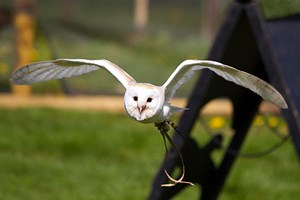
164, 127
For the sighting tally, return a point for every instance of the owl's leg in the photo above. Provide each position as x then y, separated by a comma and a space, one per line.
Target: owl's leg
164, 127
172, 124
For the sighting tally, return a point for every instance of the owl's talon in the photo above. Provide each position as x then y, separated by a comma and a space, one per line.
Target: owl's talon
164, 127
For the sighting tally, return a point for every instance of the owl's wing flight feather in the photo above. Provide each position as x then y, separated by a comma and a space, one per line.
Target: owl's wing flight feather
62, 68
187, 68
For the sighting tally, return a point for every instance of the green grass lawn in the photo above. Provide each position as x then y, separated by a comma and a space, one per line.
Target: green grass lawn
66, 154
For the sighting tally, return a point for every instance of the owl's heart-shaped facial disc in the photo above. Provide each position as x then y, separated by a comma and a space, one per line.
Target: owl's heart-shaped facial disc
143, 101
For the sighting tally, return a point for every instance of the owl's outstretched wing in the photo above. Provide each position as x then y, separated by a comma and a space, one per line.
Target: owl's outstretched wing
62, 68
187, 68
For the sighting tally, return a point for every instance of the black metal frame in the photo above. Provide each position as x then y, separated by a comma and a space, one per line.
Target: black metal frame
248, 42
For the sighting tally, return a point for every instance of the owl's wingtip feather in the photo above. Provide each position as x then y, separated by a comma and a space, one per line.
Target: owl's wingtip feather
284, 105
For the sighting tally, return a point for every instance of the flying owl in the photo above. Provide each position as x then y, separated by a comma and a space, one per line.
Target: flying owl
145, 102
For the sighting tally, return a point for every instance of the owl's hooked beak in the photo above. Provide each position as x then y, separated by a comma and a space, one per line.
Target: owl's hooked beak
141, 108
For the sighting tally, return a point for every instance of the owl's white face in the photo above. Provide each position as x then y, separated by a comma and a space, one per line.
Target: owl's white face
143, 101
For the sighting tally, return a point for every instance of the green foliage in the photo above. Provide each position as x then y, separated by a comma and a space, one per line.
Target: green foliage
6, 53
66, 154
279, 8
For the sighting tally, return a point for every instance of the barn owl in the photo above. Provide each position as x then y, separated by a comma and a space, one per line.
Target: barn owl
145, 102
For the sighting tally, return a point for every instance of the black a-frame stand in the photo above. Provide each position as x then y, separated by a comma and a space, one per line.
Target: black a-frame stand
269, 50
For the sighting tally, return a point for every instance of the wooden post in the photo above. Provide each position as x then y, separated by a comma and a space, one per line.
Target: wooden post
24, 24
210, 18
140, 14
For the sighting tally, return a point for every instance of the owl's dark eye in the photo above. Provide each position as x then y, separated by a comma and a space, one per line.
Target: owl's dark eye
135, 98
149, 100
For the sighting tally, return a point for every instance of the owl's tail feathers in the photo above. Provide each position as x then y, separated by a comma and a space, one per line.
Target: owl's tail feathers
175, 109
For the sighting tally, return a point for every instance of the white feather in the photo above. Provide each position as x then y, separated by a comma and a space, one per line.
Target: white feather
187, 68
62, 68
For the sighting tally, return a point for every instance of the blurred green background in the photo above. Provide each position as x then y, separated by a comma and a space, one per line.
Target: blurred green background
105, 30
68, 154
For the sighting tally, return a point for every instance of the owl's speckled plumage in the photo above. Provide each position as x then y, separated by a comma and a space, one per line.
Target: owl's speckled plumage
145, 102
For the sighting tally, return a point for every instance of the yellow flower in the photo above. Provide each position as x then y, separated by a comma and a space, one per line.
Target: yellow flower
258, 121
273, 122
283, 128
217, 122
